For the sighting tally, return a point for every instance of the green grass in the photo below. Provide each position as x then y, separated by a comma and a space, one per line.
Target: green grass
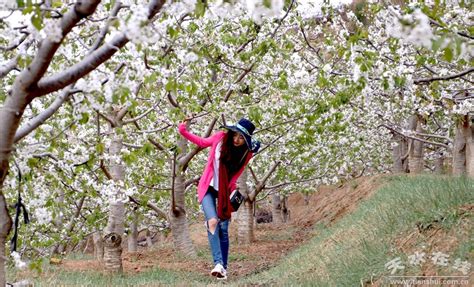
353, 250
356, 248
154, 277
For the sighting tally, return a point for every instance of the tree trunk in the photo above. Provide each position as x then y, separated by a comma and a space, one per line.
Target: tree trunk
149, 241
470, 149
285, 213
415, 161
439, 165
399, 154
276, 209
133, 236
459, 149
10, 115
5, 226
245, 230
98, 245
113, 253
115, 224
245, 234
178, 221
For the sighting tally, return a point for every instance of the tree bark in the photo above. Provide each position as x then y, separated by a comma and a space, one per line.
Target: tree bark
98, 246
245, 234
115, 223
245, 230
149, 241
415, 161
5, 226
398, 154
113, 253
439, 165
285, 213
460, 146
470, 148
133, 236
276, 209
178, 221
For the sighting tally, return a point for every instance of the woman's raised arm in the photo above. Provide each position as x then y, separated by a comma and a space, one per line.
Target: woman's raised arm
199, 141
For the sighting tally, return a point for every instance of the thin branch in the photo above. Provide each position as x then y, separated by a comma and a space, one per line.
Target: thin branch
253, 174
158, 146
270, 144
191, 181
132, 145
121, 113
105, 170
262, 183
137, 118
434, 136
414, 138
105, 29
15, 44
150, 205
47, 154
43, 116
280, 22
112, 121
239, 79
9, 66
444, 78
460, 33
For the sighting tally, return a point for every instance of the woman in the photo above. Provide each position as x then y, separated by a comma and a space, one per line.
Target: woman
230, 153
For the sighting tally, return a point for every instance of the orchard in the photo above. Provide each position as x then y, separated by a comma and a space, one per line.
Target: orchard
93, 91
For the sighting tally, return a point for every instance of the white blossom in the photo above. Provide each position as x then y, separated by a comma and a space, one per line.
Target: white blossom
52, 30
258, 9
20, 264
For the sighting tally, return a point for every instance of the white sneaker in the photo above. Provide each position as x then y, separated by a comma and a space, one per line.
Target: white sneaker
219, 272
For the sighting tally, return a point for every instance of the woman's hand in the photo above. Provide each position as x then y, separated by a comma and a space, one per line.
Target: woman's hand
187, 119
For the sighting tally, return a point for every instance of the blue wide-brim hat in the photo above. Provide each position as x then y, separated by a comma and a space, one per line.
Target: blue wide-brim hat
246, 128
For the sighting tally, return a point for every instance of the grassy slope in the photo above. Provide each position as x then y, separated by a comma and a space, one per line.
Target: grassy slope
356, 248
353, 250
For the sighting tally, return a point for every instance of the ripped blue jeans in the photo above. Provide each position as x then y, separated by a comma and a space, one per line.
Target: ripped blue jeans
219, 240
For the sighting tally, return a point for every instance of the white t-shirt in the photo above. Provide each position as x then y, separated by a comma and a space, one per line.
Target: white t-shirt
215, 179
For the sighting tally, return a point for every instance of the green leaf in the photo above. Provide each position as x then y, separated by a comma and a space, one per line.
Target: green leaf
170, 86
267, 3
85, 118
37, 21
448, 54
193, 27
100, 147
56, 4
148, 148
172, 32
200, 8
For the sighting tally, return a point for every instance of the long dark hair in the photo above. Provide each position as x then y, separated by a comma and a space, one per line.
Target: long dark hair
231, 156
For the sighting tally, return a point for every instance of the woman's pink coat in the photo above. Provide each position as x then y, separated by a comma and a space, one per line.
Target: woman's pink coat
208, 173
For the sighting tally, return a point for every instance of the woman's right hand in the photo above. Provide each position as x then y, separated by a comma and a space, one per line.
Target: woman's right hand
187, 119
